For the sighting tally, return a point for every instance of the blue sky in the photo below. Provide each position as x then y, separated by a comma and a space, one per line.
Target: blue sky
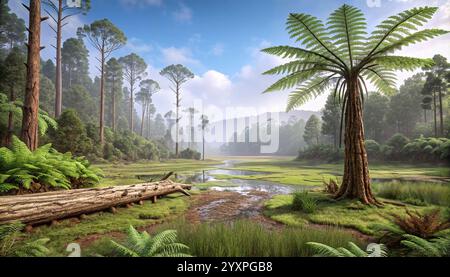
220, 41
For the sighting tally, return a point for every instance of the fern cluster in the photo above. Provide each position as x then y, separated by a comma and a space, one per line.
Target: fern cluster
142, 244
438, 247
9, 236
23, 171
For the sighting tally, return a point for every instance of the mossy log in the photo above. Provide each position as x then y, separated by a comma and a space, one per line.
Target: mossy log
46, 207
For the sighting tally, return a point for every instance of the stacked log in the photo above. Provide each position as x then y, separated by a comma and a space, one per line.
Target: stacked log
46, 207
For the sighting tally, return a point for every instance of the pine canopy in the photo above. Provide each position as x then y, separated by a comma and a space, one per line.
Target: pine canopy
334, 51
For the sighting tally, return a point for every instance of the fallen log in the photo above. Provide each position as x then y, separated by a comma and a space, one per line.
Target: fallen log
46, 207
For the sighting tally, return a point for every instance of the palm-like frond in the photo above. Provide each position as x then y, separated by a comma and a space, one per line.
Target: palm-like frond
398, 26
341, 47
311, 88
347, 30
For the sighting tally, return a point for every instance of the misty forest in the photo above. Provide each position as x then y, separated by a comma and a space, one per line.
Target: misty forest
88, 157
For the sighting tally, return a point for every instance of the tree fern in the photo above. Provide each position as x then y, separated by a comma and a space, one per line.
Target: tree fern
342, 47
142, 244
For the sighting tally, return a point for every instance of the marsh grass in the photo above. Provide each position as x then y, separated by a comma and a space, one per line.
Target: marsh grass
246, 239
415, 193
303, 201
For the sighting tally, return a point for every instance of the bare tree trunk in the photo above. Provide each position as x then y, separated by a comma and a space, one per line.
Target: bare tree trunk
58, 84
102, 97
113, 108
356, 181
143, 119
177, 120
441, 113
131, 105
435, 115
31, 104
203, 142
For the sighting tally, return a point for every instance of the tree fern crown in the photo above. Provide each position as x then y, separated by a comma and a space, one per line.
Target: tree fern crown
332, 53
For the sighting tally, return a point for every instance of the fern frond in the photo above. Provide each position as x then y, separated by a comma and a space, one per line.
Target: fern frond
402, 63
398, 26
323, 250
347, 29
309, 89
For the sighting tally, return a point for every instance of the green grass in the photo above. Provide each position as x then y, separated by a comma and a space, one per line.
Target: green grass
347, 213
282, 170
415, 193
246, 239
69, 231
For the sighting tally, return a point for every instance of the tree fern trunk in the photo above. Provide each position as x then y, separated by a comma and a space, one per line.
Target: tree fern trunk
356, 181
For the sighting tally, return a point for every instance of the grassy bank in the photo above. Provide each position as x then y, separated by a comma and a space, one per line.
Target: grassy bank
346, 213
246, 239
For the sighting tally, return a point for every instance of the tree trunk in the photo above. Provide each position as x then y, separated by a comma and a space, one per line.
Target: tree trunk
31, 105
441, 113
102, 97
203, 143
149, 122
356, 181
177, 120
131, 105
143, 119
435, 114
41, 208
58, 84
113, 108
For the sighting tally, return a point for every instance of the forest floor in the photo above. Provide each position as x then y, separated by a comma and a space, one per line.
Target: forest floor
234, 188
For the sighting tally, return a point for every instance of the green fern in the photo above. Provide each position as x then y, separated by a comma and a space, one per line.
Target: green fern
142, 244
439, 247
10, 235
44, 169
323, 250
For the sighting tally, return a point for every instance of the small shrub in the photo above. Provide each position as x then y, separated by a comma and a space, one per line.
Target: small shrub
190, 154
303, 201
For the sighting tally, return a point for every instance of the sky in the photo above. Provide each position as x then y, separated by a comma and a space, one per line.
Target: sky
220, 41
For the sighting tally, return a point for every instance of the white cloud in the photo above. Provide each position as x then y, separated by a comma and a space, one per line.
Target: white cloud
138, 46
183, 13
173, 55
141, 3
217, 49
